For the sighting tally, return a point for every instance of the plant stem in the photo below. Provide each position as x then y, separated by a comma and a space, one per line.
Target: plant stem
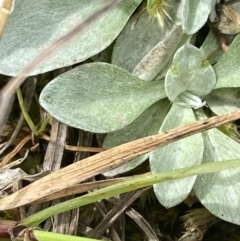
25, 113
28, 118
127, 186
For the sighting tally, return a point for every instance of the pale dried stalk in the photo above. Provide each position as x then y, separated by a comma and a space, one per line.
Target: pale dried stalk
84, 149
10, 155
67, 222
76, 148
82, 188
5, 11
107, 160
53, 156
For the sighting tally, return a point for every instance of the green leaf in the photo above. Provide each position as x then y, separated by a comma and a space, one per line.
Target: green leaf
190, 75
41, 235
211, 49
33, 25
127, 186
227, 69
219, 192
151, 119
185, 39
135, 41
195, 14
152, 63
104, 56
99, 97
183, 153
147, 46
223, 101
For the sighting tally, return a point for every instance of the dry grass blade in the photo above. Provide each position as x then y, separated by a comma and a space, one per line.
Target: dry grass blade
5, 11
30, 90
10, 155
14, 83
121, 205
196, 223
107, 160
76, 148
83, 149
81, 188
67, 222
143, 224
53, 156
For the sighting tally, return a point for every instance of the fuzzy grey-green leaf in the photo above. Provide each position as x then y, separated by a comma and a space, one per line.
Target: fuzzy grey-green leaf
219, 191
152, 63
134, 42
227, 69
190, 72
223, 101
183, 153
35, 24
99, 97
148, 123
195, 14
211, 49
140, 35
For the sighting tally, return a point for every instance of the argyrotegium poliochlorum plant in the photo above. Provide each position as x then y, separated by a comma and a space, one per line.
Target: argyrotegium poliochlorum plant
105, 98
166, 67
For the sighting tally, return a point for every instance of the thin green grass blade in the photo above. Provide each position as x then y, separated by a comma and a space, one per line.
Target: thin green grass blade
49, 236
127, 186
